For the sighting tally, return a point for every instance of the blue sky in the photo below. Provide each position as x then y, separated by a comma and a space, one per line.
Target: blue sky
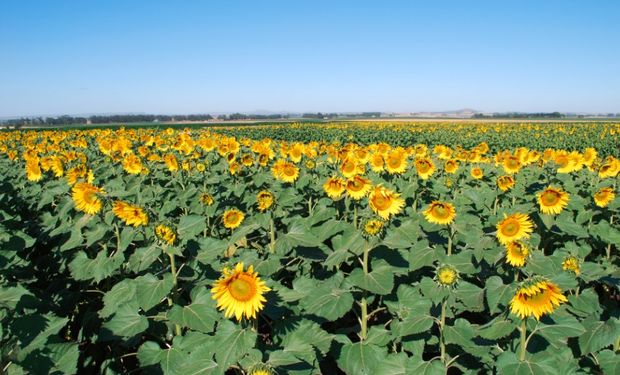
76, 57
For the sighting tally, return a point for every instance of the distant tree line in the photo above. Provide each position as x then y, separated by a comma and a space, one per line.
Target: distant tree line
520, 115
62, 120
242, 116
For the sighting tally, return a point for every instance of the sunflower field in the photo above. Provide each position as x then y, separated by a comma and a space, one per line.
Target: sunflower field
339, 248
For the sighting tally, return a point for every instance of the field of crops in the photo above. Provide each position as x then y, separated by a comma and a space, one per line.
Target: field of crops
339, 248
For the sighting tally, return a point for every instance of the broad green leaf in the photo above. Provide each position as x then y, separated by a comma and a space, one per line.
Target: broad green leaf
84, 268
562, 328
191, 226
127, 321
121, 293
231, 343
328, 299
200, 315
65, 357
379, 281
497, 294
598, 334
151, 291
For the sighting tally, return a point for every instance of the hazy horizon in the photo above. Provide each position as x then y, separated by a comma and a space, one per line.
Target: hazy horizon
159, 57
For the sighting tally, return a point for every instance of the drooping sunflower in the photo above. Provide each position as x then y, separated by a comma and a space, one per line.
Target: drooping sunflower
264, 199
130, 214
165, 234
206, 199
516, 253
334, 187
424, 167
536, 297
513, 228
477, 173
446, 275
504, 183
232, 218
86, 199
239, 292
358, 187
571, 263
373, 227
440, 213
552, 200
604, 196
385, 202
610, 168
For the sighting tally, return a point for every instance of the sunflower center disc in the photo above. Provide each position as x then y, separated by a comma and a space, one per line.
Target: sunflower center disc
510, 228
241, 290
550, 198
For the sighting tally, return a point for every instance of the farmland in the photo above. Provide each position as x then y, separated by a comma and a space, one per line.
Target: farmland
342, 247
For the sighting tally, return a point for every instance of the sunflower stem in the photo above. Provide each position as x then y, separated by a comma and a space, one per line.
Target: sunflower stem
363, 302
608, 250
495, 205
442, 324
173, 270
450, 240
523, 330
272, 234
354, 215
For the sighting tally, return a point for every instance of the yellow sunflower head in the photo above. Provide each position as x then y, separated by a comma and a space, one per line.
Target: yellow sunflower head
334, 187
206, 199
289, 172
451, 166
240, 293
385, 202
261, 369
425, 167
130, 214
165, 234
373, 227
604, 196
504, 183
536, 297
513, 228
446, 276
232, 218
511, 164
516, 253
440, 213
33, 171
86, 198
477, 173
552, 200
264, 199
358, 187
396, 162
572, 263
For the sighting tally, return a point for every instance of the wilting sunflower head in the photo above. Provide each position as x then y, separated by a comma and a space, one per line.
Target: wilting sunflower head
505, 183
373, 227
264, 199
232, 218
536, 297
358, 187
165, 234
440, 213
552, 200
239, 292
334, 187
572, 263
604, 196
206, 199
86, 197
477, 173
385, 202
446, 275
513, 228
516, 253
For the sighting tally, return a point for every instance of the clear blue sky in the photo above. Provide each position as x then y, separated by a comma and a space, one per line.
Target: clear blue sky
79, 57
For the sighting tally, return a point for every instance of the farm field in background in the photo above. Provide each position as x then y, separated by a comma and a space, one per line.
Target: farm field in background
342, 247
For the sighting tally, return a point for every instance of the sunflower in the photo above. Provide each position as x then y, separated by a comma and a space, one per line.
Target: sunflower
373, 227
334, 187
451, 166
239, 292
264, 199
232, 218
446, 275
376, 162
516, 253
385, 202
171, 162
289, 172
350, 168
33, 171
477, 173
396, 162
571, 263
511, 164
165, 234
261, 370
513, 228
132, 164
130, 214
85, 197
424, 167
609, 168
536, 297
358, 187
552, 200
440, 213
604, 196
505, 183
206, 199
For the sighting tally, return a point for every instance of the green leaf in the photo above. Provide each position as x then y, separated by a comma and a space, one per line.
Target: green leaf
121, 293
84, 268
151, 290
328, 299
412, 324
75, 240
403, 237
210, 249
361, 359
609, 362
497, 328
421, 255
460, 332
598, 334
127, 321
379, 281
566, 224
65, 357
606, 232
470, 295
433, 367
34, 330
497, 294
562, 328
10, 296
508, 363
200, 315
191, 226
143, 257
232, 343
170, 360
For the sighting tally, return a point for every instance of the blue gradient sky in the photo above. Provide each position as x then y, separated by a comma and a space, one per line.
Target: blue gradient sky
79, 57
